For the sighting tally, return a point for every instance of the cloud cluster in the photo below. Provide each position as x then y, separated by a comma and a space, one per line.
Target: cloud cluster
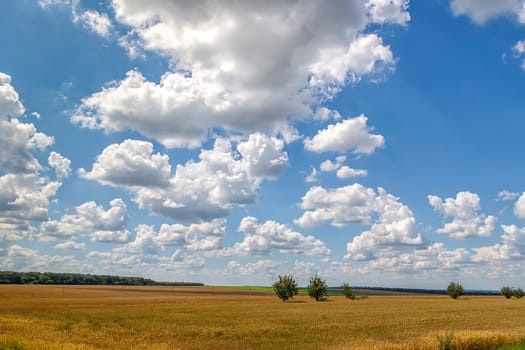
467, 219
483, 11
263, 238
24, 194
198, 190
93, 220
239, 66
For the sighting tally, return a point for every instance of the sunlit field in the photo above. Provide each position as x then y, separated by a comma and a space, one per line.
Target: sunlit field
110, 317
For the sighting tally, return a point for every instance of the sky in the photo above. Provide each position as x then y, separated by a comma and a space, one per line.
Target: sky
374, 142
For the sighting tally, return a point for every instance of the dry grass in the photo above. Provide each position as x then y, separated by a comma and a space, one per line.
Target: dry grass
74, 317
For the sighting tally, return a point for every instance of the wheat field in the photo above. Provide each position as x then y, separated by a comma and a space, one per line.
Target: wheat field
111, 317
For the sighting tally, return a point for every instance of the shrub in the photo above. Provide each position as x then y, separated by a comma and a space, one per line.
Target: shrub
455, 290
518, 293
285, 288
317, 288
347, 291
507, 292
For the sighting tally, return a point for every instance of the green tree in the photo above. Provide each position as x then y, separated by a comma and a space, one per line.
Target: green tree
347, 291
317, 288
507, 292
285, 288
518, 293
455, 290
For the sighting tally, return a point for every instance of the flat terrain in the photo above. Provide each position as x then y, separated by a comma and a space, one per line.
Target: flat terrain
111, 317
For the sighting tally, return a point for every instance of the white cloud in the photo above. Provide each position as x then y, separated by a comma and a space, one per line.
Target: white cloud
348, 135
19, 258
511, 248
519, 207
24, 198
481, 11
263, 238
244, 67
61, 164
70, 245
10, 104
268, 268
345, 172
95, 21
434, 258
312, 177
91, 219
16, 142
467, 219
389, 11
201, 190
329, 166
341, 206
197, 237
130, 163
507, 195
263, 156
394, 229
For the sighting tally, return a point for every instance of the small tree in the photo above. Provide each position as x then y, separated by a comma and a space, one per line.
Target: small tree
455, 290
317, 288
347, 291
507, 292
285, 288
518, 293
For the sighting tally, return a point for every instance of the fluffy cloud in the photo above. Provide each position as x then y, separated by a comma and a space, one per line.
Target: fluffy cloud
394, 229
19, 258
511, 248
244, 66
10, 104
95, 21
268, 268
435, 257
345, 172
70, 245
131, 163
61, 164
93, 220
197, 237
23, 198
262, 238
467, 219
483, 11
519, 207
263, 156
201, 190
348, 135
341, 206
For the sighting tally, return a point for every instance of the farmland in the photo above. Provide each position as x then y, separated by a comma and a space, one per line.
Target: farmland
161, 317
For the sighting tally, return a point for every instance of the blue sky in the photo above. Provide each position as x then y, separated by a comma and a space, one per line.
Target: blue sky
373, 142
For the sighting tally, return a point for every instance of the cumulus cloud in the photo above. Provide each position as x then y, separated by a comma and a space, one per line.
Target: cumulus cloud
485, 10
512, 246
23, 198
91, 219
130, 163
467, 219
268, 268
61, 164
340, 206
197, 237
72, 245
244, 67
95, 21
19, 258
10, 104
433, 258
198, 190
349, 135
263, 238
519, 206
345, 172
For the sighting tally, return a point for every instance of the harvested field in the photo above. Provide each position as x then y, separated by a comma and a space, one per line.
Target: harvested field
111, 317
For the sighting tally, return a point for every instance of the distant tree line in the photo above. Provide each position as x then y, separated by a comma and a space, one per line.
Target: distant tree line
13, 277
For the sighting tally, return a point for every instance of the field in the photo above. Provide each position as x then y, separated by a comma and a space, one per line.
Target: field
109, 317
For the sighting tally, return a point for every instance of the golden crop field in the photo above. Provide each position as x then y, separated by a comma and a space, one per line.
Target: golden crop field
109, 317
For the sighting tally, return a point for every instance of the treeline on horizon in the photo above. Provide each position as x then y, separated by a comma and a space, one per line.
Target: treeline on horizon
423, 291
14, 277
